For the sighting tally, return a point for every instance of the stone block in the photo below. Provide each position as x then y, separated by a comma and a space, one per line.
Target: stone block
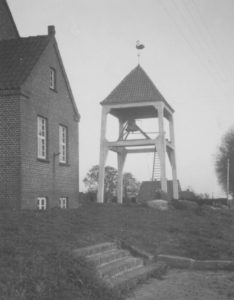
176, 261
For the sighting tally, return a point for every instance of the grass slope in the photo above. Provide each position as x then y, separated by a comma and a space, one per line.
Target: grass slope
34, 246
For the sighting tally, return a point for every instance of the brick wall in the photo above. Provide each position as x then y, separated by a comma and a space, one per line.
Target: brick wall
49, 179
7, 26
9, 152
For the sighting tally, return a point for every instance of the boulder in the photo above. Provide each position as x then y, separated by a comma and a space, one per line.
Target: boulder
158, 204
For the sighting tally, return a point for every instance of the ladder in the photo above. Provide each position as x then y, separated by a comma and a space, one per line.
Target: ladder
156, 174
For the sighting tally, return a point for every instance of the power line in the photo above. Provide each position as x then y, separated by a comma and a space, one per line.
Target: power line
201, 61
208, 39
199, 41
204, 44
210, 33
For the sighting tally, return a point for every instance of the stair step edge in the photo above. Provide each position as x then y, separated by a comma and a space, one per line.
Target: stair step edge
107, 253
85, 251
101, 260
112, 261
121, 273
132, 275
119, 266
120, 262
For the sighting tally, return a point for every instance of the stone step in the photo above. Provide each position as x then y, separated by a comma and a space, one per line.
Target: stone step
132, 276
107, 256
86, 251
119, 266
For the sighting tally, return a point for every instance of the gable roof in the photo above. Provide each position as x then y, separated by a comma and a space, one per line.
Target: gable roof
17, 59
8, 28
67, 82
18, 56
135, 87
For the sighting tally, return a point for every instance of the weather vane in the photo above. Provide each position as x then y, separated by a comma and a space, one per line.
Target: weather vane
139, 47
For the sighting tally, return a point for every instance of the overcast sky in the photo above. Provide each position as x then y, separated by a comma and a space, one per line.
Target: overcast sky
189, 46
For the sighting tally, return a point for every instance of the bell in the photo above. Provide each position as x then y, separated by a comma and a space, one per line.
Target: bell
131, 126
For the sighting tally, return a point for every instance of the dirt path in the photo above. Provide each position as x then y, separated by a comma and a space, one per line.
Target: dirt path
188, 285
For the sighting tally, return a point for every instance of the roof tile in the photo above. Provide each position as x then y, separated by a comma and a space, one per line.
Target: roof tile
135, 87
17, 59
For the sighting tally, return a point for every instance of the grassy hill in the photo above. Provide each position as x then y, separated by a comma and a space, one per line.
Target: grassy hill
34, 246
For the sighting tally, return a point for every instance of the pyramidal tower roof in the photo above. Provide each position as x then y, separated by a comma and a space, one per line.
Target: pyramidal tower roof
134, 88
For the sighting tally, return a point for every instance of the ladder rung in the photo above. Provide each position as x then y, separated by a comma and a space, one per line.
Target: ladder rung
156, 174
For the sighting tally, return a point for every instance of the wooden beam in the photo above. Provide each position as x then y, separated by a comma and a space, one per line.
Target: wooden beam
131, 143
142, 150
170, 145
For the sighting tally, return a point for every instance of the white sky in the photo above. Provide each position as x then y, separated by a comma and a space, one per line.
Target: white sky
188, 55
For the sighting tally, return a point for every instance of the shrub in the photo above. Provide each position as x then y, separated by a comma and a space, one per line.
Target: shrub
48, 276
162, 195
184, 204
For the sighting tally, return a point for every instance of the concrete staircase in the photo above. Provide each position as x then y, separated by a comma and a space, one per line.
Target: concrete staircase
116, 266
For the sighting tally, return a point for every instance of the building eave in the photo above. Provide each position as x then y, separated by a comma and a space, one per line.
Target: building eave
13, 92
77, 114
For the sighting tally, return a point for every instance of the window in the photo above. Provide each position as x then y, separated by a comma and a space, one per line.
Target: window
63, 202
62, 144
42, 203
41, 138
52, 79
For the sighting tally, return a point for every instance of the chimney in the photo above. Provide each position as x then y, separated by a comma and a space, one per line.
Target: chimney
51, 30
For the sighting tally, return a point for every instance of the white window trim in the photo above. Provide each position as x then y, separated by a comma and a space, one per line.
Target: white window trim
52, 78
41, 137
42, 203
63, 144
63, 202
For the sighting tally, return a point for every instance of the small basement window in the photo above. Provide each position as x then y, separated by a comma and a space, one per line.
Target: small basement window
42, 203
52, 79
63, 203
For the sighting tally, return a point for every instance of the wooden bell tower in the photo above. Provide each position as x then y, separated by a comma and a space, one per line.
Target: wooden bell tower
136, 97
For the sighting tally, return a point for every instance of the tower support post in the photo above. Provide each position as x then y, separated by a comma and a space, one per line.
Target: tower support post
121, 156
103, 155
173, 159
174, 176
161, 147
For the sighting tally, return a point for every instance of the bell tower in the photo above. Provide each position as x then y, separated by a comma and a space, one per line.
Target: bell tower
136, 97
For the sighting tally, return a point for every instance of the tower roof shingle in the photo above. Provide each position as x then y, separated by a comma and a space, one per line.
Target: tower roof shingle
134, 88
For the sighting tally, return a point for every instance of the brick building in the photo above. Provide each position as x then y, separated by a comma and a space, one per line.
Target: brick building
38, 122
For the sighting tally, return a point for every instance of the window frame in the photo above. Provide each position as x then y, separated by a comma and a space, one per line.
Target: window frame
53, 82
62, 201
42, 138
63, 146
40, 205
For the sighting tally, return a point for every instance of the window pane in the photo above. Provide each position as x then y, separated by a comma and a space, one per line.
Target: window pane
41, 203
41, 137
52, 78
62, 144
39, 147
63, 202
